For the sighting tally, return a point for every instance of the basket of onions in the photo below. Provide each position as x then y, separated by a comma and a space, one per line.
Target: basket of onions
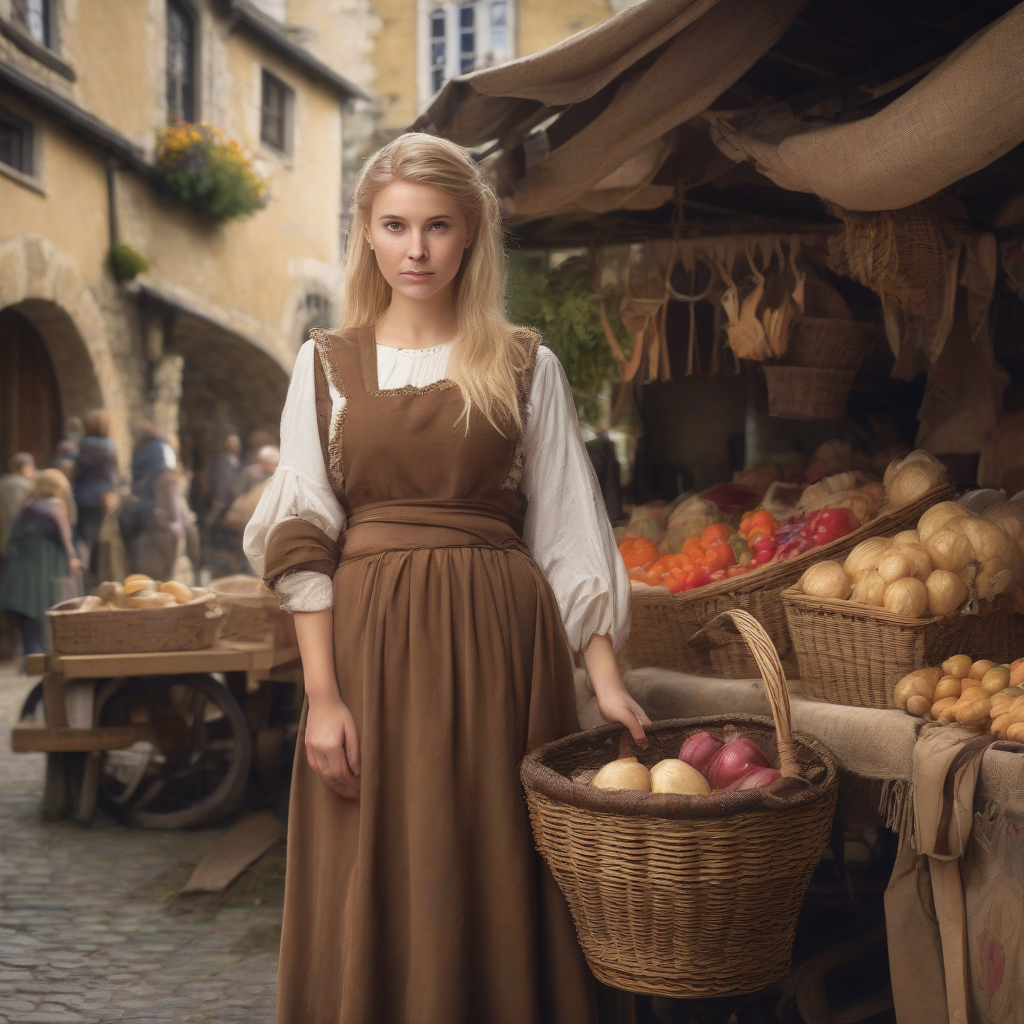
684, 864
895, 606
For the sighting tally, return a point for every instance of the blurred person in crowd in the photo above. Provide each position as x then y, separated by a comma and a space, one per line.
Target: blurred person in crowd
221, 476
67, 446
151, 523
95, 478
15, 486
254, 479
40, 554
257, 440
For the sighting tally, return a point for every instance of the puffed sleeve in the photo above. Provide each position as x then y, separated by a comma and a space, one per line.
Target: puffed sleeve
567, 527
292, 538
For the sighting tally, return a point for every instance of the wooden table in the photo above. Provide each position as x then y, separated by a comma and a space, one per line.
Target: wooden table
56, 738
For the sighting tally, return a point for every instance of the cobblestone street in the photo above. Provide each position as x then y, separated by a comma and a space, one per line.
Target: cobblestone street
91, 926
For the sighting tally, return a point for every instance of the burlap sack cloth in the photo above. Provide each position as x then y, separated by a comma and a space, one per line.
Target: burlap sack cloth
954, 906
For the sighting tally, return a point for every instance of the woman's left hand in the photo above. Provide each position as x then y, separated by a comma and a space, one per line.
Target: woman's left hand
613, 699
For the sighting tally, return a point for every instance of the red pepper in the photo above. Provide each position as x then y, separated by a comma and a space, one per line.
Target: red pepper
698, 578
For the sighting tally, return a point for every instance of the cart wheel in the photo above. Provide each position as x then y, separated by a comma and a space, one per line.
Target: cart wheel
195, 770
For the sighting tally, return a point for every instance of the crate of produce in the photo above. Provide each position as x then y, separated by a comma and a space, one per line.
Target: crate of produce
692, 890
855, 654
80, 626
252, 613
662, 626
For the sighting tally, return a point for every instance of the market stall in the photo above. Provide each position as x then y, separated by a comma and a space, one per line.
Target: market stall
812, 214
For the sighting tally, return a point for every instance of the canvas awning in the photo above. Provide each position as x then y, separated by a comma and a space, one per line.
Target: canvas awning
869, 109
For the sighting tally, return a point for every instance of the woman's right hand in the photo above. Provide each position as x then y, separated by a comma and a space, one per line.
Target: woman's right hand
332, 745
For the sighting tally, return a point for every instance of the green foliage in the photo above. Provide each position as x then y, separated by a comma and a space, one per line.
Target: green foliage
201, 166
127, 262
561, 304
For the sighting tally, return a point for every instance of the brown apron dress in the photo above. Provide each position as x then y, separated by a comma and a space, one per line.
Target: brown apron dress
424, 902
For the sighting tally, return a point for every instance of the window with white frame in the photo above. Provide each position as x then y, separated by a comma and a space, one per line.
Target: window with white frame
36, 18
461, 37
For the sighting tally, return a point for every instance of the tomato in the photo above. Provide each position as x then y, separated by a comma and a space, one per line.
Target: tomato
745, 523
735, 570
665, 569
638, 552
698, 578
720, 531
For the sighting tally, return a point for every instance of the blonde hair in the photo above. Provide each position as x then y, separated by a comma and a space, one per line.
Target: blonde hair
490, 355
50, 483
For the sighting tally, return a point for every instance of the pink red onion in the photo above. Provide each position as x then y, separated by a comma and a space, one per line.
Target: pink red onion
733, 761
760, 777
698, 750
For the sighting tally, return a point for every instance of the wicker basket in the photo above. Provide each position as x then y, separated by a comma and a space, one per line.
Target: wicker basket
180, 627
852, 654
825, 343
807, 393
688, 897
251, 612
662, 625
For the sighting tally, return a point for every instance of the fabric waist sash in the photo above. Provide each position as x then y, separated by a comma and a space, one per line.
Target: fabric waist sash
407, 525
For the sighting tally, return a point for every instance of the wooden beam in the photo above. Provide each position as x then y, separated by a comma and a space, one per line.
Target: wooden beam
30, 737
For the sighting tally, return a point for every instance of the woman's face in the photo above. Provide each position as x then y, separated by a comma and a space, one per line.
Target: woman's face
419, 235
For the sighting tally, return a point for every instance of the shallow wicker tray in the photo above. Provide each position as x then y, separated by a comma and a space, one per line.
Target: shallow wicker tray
181, 627
663, 624
251, 612
687, 897
853, 654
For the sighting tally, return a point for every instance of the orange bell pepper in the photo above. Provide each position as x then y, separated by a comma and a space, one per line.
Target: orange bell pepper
764, 520
720, 531
638, 552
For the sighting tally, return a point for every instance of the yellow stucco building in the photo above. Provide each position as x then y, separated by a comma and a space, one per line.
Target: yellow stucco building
208, 333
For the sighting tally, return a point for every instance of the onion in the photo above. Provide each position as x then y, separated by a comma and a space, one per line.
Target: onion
937, 517
907, 597
865, 557
983, 501
626, 773
675, 776
911, 481
906, 537
921, 559
870, 589
698, 750
826, 579
733, 761
946, 592
950, 549
760, 777
895, 566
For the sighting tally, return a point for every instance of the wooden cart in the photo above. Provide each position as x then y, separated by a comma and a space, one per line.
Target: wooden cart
173, 736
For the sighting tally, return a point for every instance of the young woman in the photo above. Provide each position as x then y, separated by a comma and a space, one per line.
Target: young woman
436, 526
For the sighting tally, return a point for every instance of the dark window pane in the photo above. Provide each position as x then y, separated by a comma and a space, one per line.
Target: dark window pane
468, 42
438, 79
466, 17
437, 54
437, 26
180, 63
16, 145
274, 113
465, 65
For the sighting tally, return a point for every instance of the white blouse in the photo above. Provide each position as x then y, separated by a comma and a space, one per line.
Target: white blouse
566, 528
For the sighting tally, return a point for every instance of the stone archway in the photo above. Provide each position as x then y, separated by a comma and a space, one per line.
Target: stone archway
44, 285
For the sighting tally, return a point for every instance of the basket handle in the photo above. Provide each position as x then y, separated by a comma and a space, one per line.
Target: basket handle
772, 675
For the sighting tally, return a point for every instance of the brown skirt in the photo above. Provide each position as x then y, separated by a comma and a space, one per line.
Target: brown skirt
425, 901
